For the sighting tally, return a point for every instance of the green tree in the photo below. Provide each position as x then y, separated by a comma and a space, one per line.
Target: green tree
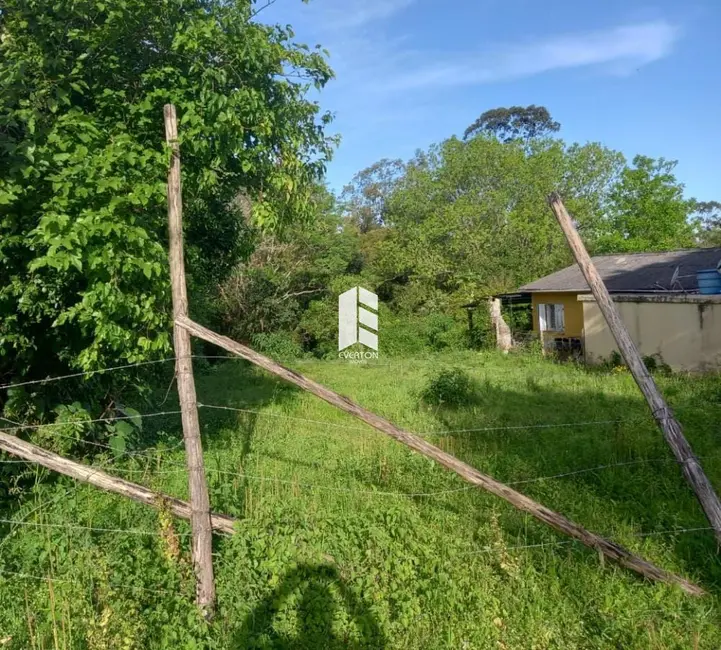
83, 164
707, 214
515, 122
365, 197
646, 210
286, 272
469, 219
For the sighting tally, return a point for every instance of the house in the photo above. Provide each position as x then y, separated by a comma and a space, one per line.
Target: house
658, 298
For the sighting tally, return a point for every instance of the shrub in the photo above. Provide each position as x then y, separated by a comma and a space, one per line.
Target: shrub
656, 364
279, 345
400, 336
451, 386
443, 332
318, 329
406, 335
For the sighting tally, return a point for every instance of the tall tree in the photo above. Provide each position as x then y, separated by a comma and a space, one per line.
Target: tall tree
707, 215
469, 219
365, 198
83, 163
513, 123
647, 210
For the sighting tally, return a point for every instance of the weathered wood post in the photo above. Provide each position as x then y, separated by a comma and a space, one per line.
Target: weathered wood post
202, 544
97, 478
669, 425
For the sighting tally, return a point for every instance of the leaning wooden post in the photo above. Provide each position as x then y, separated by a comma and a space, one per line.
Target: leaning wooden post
202, 545
466, 472
99, 479
669, 425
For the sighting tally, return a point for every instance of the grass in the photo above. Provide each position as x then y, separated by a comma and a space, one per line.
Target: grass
341, 544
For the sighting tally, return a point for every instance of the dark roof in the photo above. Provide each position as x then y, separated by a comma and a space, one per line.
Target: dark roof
635, 272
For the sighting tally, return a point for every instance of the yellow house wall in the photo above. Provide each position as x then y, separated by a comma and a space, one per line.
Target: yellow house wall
687, 336
572, 312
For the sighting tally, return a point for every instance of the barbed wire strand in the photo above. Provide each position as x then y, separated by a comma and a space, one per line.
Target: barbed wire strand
137, 364
85, 373
91, 421
73, 581
639, 461
487, 549
124, 531
669, 532
422, 433
308, 421
294, 482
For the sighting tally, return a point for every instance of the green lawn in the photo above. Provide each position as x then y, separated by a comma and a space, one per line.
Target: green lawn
349, 540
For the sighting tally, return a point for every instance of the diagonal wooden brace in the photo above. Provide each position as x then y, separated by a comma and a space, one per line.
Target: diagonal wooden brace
611, 550
100, 479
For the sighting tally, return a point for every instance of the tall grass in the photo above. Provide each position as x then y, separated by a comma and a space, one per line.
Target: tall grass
348, 539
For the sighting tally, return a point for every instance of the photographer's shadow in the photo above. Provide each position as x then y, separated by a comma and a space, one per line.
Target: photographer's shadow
316, 594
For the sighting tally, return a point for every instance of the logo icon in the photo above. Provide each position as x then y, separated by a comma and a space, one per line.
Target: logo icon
355, 323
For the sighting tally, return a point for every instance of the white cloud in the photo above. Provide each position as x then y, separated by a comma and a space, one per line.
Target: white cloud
339, 17
621, 49
359, 13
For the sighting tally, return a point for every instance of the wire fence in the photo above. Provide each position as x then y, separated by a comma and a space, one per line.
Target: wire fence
669, 532
158, 451
155, 590
87, 584
181, 469
366, 428
86, 374
162, 454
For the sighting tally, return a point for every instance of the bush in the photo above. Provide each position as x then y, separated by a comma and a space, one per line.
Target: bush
318, 329
278, 345
399, 337
410, 335
482, 335
451, 386
443, 332
655, 364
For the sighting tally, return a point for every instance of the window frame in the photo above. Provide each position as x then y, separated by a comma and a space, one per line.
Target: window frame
551, 313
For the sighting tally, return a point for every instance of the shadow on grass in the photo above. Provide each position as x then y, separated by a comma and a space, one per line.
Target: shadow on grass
236, 384
636, 482
300, 615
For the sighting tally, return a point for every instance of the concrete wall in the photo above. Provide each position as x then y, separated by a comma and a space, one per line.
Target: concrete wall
572, 312
684, 331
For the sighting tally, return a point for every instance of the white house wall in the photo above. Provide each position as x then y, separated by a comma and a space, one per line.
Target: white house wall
683, 331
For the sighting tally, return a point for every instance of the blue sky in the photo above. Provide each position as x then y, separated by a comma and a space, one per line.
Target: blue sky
641, 78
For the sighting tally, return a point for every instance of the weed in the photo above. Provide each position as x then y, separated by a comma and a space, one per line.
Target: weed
449, 387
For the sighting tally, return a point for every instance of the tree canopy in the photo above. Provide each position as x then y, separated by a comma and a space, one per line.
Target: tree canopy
508, 124
647, 211
83, 164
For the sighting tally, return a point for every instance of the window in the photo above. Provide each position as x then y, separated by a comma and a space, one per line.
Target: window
550, 318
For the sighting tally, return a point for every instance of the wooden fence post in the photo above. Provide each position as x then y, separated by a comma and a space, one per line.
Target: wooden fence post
669, 425
202, 544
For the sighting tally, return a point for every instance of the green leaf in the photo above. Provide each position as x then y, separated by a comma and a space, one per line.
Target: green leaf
117, 444
135, 418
